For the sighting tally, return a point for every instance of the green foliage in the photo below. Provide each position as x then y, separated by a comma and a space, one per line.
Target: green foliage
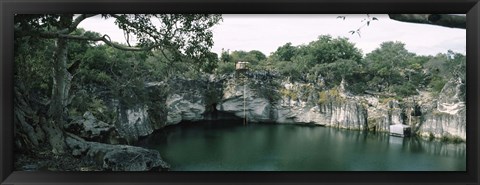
329, 96
322, 97
437, 84
307, 62
334, 73
327, 61
393, 69
107, 73
327, 50
253, 57
225, 57
387, 64
225, 68
405, 90
386, 100
289, 93
285, 52
288, 69
444, 67
32, 66
184, 34
208, 64
257, 55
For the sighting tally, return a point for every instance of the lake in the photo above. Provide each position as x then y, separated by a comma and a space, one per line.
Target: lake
232, 146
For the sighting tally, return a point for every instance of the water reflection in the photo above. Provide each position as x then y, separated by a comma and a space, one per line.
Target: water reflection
231, 146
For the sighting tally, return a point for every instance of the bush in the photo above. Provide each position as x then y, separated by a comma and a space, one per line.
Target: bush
405, 90
329, 96
289, 93
225, 68
437, 84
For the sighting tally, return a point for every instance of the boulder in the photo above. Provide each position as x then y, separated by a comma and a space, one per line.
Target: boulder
117, 157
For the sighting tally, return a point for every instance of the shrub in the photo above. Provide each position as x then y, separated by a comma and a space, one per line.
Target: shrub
225, 68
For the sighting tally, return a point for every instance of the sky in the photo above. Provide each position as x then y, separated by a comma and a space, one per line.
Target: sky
267, 32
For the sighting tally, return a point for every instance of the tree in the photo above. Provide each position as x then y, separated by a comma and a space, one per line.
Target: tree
387, 64
443, 67
285, 52
225, 56
253, 56
179, 35
257, 55
307, 62
327, 50
336, 72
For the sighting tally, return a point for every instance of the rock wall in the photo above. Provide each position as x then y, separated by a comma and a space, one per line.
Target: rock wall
446, 117
382, 115
141, 118
133, 122
193, 100
248, 98
264, 97
253, 97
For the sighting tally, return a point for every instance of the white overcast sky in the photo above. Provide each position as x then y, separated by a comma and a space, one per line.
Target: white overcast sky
267, 32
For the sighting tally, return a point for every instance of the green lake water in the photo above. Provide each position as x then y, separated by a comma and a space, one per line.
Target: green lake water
232, 146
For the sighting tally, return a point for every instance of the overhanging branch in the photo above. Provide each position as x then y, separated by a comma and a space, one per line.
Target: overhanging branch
446, 20
78, 20
75, 23
105, 38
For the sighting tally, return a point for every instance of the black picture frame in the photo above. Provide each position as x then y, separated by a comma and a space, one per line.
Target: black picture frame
10, 7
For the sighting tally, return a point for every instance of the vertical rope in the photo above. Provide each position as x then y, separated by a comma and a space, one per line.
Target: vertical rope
244, 101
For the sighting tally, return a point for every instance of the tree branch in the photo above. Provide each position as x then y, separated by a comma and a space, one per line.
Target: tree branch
78, 20
105, 38
75, 23
446, 20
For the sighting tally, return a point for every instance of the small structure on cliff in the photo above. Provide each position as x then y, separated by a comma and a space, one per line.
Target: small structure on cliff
400, 130
241, 66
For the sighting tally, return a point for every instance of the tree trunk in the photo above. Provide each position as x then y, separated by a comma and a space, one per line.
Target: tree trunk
57, 111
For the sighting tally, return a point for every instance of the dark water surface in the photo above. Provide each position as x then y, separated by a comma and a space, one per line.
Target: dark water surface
231, 146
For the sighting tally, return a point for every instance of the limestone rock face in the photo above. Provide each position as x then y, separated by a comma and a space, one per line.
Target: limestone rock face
180, 109
141, 118
255, 109
266, 97
243, 100
133, 122
446, 117
350, 115
382, 115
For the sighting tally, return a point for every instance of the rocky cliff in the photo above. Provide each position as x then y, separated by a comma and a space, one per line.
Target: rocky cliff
291, 106
264, 97
445, 117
